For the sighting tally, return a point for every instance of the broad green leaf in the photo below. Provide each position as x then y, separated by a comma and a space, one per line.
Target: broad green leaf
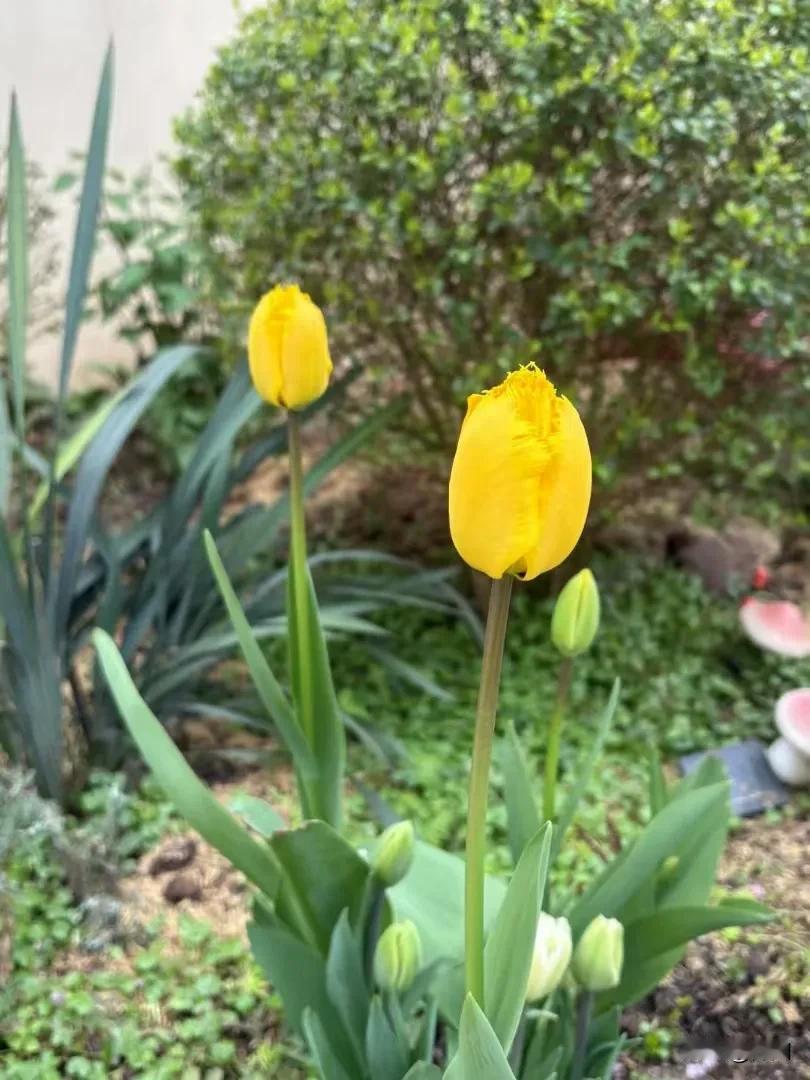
690, 878
653, 944
432, 896
634, 868
423, 1071
387, 1057
541, 1059
346, 982
480, 1055
297, 971
671, 927
257, 813
267, 686
508, 951
191, 797
604, 1042
326, 1059
323, 874
522, 815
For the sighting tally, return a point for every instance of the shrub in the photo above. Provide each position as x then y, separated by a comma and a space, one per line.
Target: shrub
616, 189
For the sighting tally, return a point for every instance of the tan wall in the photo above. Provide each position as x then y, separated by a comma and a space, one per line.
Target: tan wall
51, 52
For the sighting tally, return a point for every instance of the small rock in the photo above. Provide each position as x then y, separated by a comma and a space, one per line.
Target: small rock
702, 1064
176, 855
704, 554
758, 963
182, 887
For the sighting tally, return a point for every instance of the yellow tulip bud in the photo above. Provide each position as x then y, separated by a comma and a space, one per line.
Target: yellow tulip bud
575, 621
599, 955
394, 855
521, 479
551, 956
398, 957
288, 350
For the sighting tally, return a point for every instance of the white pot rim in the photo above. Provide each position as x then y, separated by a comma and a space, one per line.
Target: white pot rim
786, 726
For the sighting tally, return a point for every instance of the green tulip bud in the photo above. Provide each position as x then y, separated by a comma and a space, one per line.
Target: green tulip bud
398, 957
552, 953
575, 621
599, 955
394, 855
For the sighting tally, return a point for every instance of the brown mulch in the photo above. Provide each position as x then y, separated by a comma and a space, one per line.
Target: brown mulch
743, 996
221, 896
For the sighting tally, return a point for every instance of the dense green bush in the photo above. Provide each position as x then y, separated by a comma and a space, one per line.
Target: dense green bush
617, 189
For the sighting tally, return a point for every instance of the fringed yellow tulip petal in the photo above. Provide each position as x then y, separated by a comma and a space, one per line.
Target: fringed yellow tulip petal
288, 349
564, 498
264, 351
521, 478
305, 361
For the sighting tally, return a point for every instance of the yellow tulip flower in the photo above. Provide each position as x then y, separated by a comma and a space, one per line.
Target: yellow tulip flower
521, 479
288, 349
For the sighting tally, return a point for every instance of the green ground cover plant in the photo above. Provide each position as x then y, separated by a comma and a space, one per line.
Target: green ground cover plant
427, 786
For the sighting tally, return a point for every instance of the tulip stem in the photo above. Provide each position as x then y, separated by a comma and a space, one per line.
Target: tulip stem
479, 783
298, 564
554, 736
584, 1010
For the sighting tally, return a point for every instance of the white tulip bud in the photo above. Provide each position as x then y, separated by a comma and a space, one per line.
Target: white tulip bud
551, 956
599, 955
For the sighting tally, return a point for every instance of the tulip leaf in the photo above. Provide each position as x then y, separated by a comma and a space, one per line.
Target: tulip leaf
314, 694
432, 896
329, 1066
257, 813
297, 971
346, 981
509, 948
323, 874
267, 686
387, 1057
191, 797
522, 815
652, 944
480, 1055
423, 1071
667, 834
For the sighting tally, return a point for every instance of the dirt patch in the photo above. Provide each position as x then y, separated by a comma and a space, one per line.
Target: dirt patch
221, 896
743, 995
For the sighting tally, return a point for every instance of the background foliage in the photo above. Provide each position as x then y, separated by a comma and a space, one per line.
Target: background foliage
43, 255
615, 189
